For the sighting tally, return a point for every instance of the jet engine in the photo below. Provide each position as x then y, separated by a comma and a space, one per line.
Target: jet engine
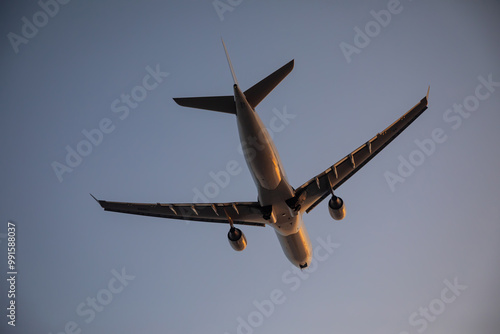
237, 239
336, 208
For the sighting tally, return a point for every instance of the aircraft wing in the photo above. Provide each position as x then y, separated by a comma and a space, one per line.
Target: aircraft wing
319, 187
243, 213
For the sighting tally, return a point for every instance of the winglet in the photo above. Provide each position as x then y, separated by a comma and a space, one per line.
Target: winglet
230, 65
425, 99
98, 201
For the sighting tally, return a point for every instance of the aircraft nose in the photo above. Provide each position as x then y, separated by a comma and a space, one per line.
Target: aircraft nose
305, 261
309, 260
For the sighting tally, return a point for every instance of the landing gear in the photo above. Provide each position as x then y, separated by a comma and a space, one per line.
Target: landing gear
268, 214
295, 203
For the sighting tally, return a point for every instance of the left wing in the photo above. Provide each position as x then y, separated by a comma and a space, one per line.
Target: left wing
319, 187
243, 213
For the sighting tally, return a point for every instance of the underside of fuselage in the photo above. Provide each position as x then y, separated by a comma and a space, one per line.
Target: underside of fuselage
270, 179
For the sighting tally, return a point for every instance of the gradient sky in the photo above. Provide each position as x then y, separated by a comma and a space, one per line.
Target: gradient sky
397, 249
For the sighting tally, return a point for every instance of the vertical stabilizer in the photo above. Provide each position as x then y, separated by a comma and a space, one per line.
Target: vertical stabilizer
230, 65
254, 95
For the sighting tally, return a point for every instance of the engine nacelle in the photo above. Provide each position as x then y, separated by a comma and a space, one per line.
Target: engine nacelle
336, 208
237, 239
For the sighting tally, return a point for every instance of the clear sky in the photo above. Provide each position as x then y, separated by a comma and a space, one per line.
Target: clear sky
418, 250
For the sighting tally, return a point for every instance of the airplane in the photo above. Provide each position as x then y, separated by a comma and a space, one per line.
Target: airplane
279, 205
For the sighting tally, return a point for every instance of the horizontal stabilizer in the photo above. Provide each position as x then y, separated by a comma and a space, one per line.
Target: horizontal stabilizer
215, 103
260, 90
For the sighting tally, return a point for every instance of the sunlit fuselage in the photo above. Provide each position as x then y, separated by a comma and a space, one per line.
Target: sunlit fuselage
270, 179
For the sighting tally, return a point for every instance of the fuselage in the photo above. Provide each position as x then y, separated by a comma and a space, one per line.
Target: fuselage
272, 185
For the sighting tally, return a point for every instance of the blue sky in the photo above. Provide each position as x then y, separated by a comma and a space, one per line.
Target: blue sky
415, 255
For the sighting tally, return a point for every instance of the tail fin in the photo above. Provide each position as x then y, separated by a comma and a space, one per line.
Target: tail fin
215, 103
254, 94
259, 91
229, 62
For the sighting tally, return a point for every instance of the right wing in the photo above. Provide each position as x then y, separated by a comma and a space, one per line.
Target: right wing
319, 187
243, 213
